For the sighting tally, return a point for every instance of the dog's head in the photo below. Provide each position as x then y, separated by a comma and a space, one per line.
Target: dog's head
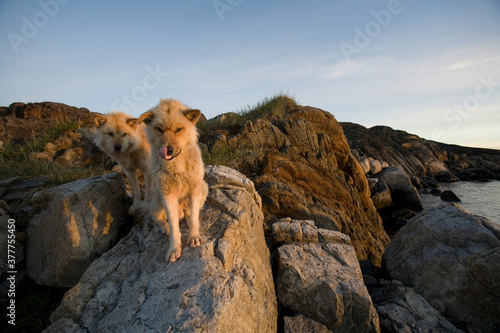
116, 132
171, 128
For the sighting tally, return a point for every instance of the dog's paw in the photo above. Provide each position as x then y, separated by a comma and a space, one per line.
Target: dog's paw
194, 240
173, 253
135, 208
139, 208
164, 228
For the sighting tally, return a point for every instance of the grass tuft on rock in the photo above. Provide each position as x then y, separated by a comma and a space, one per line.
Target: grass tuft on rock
273, 106
223, 153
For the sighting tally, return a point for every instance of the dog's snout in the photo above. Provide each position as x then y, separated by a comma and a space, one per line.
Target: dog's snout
170, 150
117, 147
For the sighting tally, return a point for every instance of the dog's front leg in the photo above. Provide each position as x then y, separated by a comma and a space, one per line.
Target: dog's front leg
150, 184
171, 205
193, 219
158, 212
136, 192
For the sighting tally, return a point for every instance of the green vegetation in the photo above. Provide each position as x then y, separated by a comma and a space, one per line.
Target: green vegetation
16, 161
274, 106
222, 153
11, 152
269, 106
241, 159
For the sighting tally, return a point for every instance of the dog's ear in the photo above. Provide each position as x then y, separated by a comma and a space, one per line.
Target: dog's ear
192, 114
99, 120
146, 117
132, 122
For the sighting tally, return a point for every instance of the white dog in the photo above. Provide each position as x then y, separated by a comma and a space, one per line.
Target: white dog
178, 170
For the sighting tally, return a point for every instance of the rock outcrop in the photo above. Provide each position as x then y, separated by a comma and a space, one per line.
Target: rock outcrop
73, 148
224, 285
21, 121
302, 168
320, 279
77, 222
452, 259
423, 158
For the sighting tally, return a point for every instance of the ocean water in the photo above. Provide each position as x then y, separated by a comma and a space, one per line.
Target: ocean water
479, 198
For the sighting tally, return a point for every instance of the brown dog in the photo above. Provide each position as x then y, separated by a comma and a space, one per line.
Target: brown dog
124, 140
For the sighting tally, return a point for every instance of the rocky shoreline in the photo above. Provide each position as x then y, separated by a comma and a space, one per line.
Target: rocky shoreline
423, 159
322, 228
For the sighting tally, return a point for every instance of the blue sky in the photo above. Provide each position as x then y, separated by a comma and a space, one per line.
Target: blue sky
427, 67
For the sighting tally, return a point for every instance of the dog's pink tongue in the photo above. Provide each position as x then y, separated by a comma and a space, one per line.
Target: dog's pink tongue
163, 153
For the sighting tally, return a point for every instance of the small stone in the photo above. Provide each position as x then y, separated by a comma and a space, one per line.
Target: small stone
375, 167
448, 195
40, 157
71, 157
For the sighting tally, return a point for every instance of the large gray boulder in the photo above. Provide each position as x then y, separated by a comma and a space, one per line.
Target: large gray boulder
224, 285
319, 277
77, 222
452, 259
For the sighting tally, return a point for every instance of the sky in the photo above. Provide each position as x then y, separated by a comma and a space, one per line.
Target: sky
427, 67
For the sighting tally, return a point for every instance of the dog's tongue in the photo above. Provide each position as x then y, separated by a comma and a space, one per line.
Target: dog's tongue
163, 153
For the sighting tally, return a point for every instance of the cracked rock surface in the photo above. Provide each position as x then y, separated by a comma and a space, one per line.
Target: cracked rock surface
76, 223
224, 285
319, 279
303, 168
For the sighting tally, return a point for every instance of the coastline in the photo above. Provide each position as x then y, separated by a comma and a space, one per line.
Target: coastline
477, 197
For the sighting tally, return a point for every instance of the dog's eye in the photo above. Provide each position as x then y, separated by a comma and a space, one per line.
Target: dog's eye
124, 134
179, 129
110, 134
159, 129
